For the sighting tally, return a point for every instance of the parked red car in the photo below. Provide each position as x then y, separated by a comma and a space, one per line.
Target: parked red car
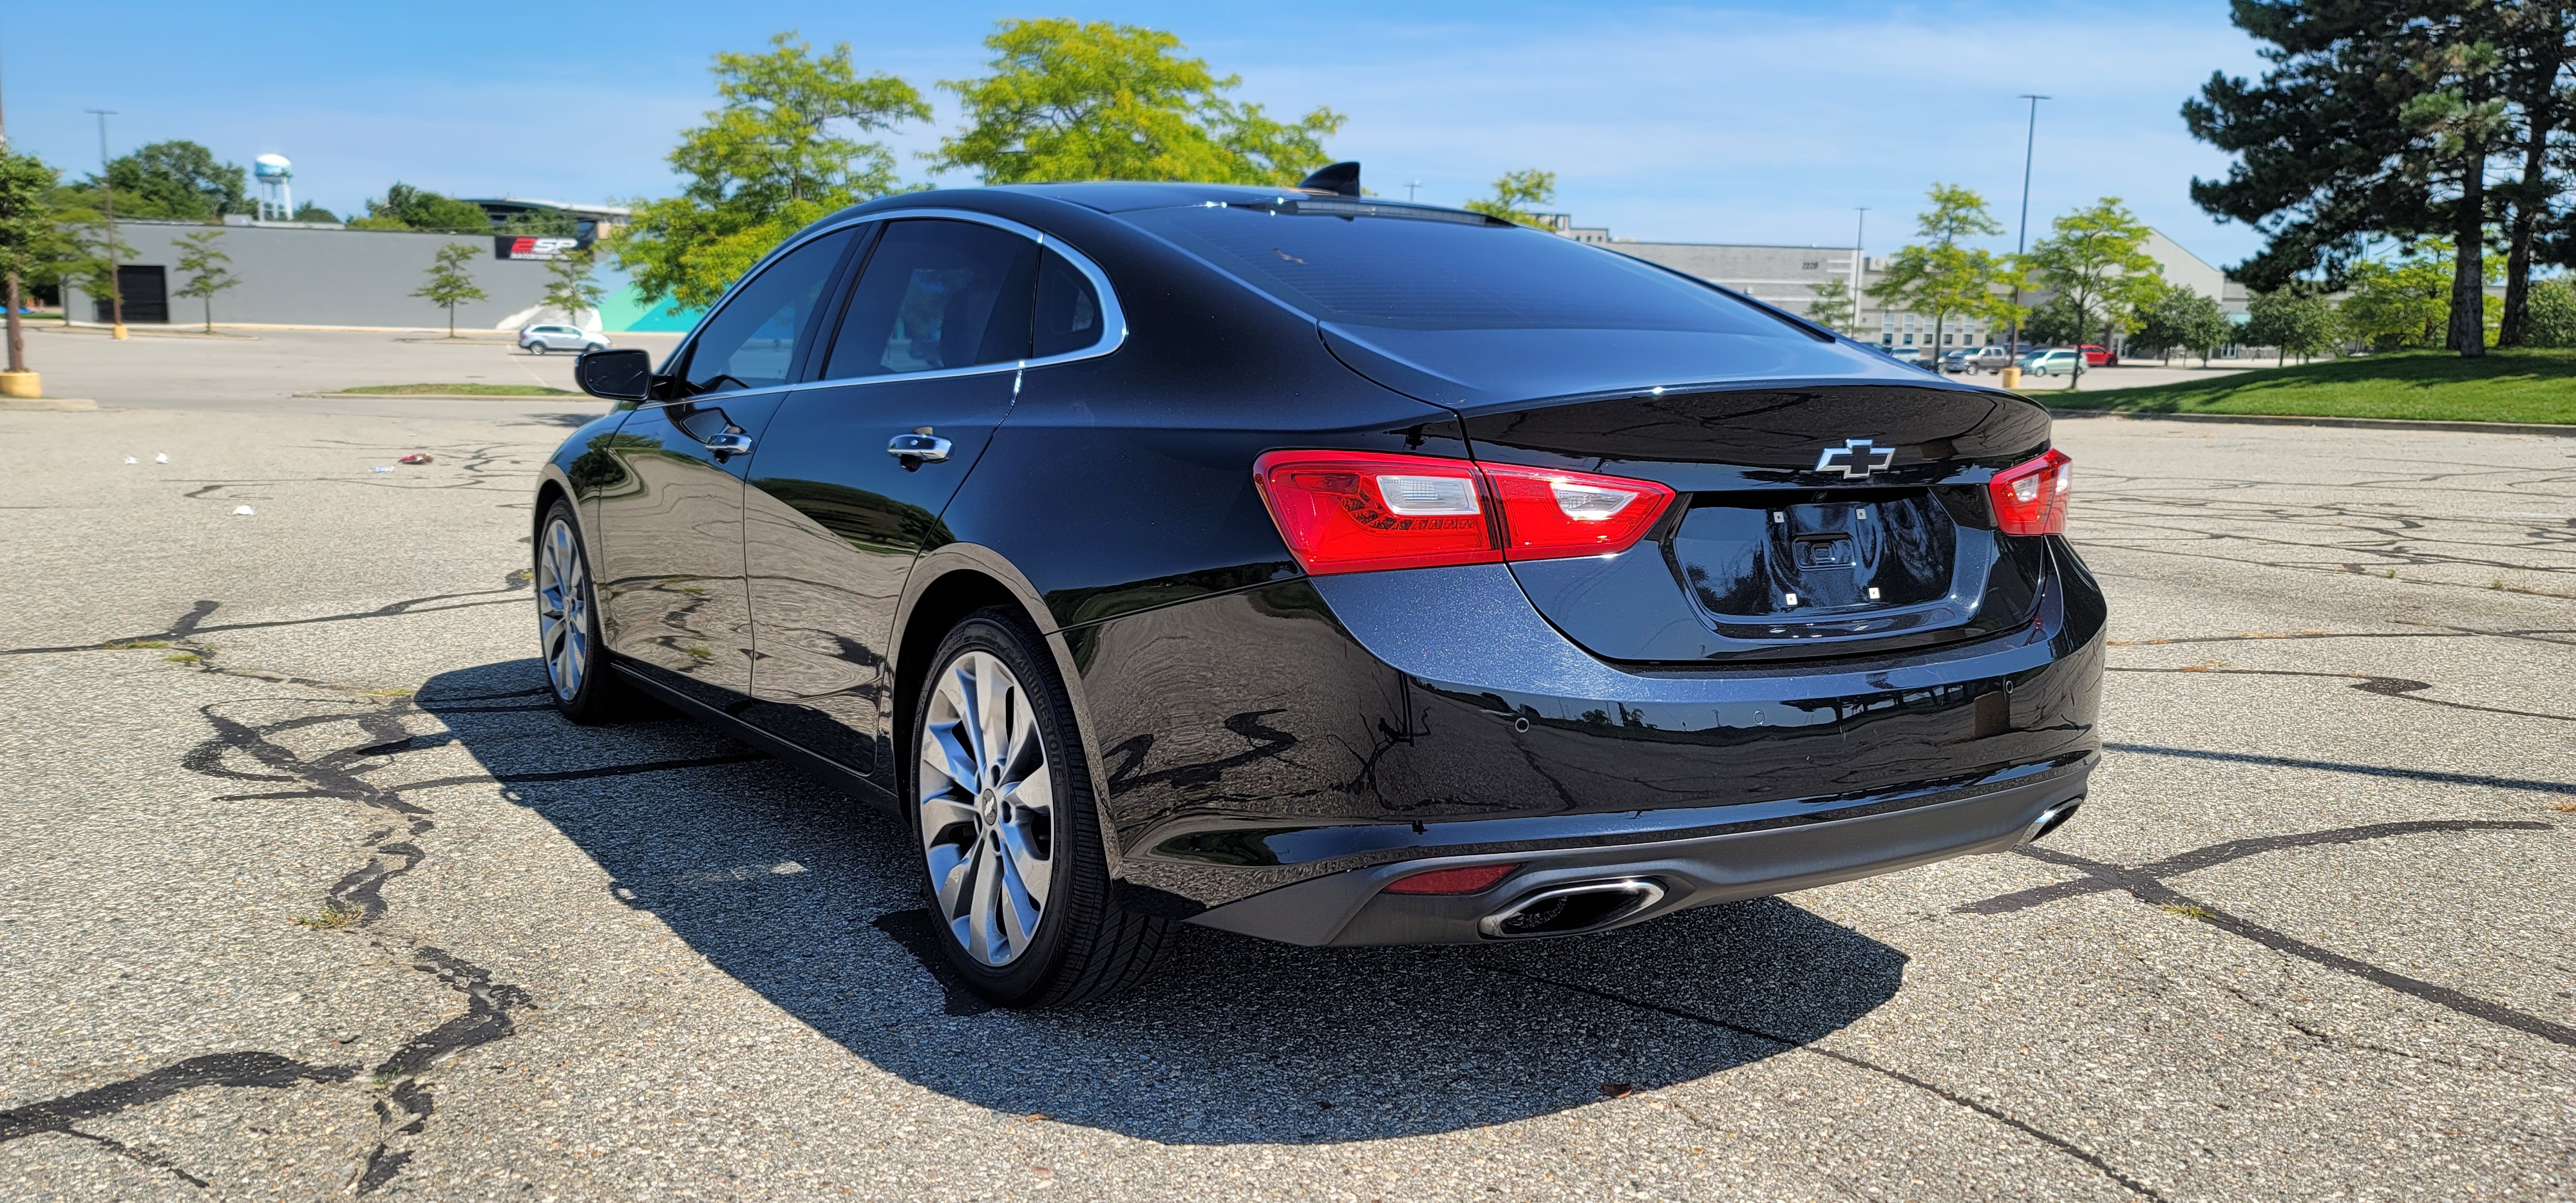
2098, 357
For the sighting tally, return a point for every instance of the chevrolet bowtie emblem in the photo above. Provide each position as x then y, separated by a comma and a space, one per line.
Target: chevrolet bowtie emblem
1855, 459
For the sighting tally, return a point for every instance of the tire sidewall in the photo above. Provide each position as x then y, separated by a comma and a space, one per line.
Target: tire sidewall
1076, 837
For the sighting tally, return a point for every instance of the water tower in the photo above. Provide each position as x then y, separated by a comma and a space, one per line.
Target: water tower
276, 196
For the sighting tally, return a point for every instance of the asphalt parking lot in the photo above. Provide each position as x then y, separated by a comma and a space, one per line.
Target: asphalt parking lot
304, 891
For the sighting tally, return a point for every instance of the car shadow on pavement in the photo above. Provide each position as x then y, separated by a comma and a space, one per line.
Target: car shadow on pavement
810, 899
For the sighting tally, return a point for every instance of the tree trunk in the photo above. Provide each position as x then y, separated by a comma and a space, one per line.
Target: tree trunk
2529, 199
17, 337
2469, 262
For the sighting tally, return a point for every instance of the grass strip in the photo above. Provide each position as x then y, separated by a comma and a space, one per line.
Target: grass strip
459, 390
2501, 386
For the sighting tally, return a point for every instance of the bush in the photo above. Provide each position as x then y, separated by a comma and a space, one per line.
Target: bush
2552, 322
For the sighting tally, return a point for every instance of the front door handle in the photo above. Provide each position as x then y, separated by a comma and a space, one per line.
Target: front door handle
728, 443
928, 448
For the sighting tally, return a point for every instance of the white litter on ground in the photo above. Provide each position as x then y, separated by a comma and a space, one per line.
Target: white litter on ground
162, 458
243, 509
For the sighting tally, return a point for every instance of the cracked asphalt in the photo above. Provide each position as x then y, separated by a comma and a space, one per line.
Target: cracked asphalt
305, 892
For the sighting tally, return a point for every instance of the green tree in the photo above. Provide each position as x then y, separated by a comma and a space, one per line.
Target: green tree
1832, 306
771, 158
409, 208
308, 211
569, 287
2552, 317
92, 246
1068, 100
2400, 304
449, 284
208, 268
2380, 117
1942, 278
2187, 321
26, 233
177, 181
1517, 195
2056, 321
2538, 51
2297, 321
2096, 260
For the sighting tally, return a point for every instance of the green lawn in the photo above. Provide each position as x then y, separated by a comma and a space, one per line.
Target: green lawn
459, 390
2504, 386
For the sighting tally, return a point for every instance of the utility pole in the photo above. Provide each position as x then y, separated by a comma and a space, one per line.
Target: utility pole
1860, 253
107, 188
1411, 188
2021, 241
22, 381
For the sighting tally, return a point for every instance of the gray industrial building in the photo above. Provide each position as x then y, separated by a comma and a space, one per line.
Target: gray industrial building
1787, 276
301, 274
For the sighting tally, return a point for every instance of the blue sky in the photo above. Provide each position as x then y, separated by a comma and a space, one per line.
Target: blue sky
1745, 122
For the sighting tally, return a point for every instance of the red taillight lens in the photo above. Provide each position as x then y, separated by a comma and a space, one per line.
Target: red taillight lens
1365, 511
1549, 515
2031, 499
1473, 879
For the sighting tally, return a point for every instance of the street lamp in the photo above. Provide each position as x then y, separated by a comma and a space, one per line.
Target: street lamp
107, 188
2021, 241
1860, 231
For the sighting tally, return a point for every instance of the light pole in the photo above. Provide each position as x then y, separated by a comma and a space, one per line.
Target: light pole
2021, 241
17, 381
1411, 188
1860, 231
107, 189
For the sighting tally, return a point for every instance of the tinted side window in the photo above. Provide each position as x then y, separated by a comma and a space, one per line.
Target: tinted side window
938, 294
751, 341
1068, 309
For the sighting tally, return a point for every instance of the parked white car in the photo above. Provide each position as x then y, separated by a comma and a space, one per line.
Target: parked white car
537, 340
2059, 362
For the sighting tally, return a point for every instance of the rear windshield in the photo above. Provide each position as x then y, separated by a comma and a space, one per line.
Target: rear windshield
1439, 275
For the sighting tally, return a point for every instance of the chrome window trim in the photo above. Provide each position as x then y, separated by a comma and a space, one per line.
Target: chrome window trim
1113, 317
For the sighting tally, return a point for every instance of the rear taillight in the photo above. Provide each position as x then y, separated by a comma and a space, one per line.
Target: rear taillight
2031, 499
1365, 511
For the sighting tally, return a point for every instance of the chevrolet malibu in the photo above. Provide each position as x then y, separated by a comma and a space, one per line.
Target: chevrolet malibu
1320, 568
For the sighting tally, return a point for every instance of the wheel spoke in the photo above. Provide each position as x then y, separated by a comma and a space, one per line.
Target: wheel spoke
948, 872
944, 754
1019, 910
987, 888
1031, 874
941, 813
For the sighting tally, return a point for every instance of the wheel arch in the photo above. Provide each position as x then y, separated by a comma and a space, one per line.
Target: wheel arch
945, 585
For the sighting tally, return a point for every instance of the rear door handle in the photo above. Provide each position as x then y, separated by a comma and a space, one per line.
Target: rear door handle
928, 448
728, 443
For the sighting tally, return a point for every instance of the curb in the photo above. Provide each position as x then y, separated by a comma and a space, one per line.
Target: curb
12, 404
449, 396
2544, 429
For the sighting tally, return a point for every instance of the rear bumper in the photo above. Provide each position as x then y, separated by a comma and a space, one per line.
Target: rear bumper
1330, 734
1744, 858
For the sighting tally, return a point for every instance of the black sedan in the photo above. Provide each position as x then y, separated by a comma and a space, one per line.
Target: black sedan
1321, 568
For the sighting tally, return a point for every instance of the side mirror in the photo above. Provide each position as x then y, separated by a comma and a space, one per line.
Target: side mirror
617, 375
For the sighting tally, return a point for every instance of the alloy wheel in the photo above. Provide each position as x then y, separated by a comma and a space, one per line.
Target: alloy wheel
987, 799
563, 610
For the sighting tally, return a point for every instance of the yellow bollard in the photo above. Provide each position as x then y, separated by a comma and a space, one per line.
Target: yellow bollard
117, 332
2012, 376
20, 384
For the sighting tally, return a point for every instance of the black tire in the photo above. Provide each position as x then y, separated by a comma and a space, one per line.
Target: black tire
1085, 946
597, 695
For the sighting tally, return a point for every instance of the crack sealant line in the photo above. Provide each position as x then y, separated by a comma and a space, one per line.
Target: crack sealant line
1985, 1109
2157, 894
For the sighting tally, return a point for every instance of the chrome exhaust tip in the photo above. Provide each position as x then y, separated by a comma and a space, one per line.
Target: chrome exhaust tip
1567, 909
2051, 819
